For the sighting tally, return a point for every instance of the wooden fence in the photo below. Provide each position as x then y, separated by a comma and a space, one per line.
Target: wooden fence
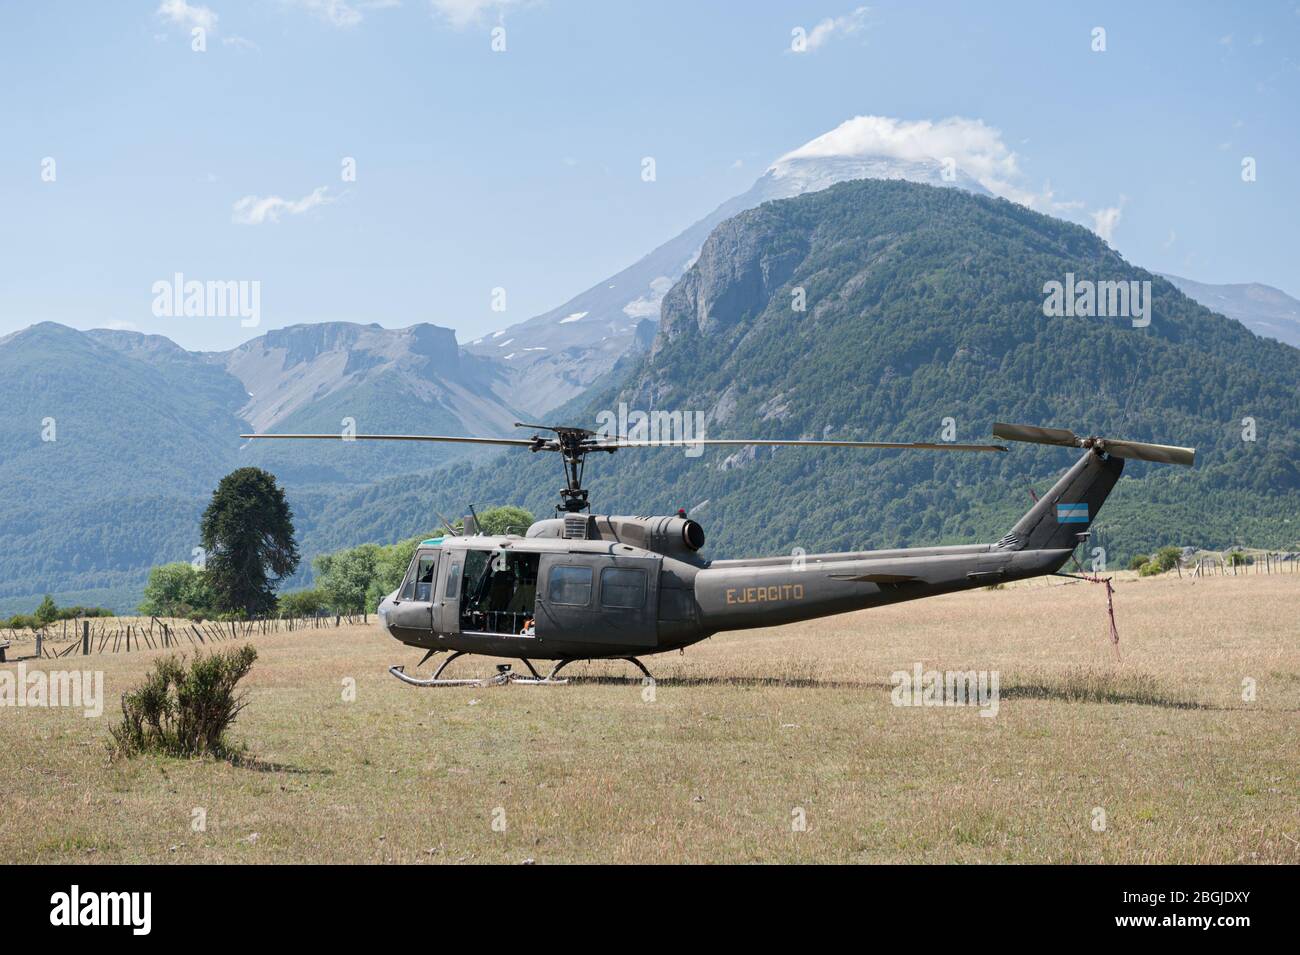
110, 635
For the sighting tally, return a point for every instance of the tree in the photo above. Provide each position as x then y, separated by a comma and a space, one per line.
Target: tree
506, 519
301, 603
248, 534
47, 612
344, 577
1167, 558
176, 590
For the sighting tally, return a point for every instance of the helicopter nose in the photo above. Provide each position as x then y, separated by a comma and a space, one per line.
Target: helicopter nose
384, 610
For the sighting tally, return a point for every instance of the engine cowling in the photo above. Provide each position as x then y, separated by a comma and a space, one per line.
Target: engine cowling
675, 536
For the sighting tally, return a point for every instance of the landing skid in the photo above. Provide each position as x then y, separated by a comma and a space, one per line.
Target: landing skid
503, 674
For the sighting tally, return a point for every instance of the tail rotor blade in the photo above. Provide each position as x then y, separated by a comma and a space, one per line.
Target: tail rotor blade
1161, 453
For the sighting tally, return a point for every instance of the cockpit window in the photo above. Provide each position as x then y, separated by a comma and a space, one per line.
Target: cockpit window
408, 585
424, 577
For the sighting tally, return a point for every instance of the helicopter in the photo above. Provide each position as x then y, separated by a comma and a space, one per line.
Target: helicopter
582, 586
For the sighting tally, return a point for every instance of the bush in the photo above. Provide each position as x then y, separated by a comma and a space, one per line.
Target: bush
1150, 569
176, 590
184, 711
1137, 562
301, 603
47, 612
1167, 557
24, 621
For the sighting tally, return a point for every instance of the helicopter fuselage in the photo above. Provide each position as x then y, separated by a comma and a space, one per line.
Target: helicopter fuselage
527, 597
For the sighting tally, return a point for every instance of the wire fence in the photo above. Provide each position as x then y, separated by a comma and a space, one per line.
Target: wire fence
85, 636
1211, 565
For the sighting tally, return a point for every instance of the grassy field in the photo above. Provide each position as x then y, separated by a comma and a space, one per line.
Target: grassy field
744, 736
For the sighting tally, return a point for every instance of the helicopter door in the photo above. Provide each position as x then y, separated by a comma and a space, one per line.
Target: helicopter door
412, 609
599, 600
446, 608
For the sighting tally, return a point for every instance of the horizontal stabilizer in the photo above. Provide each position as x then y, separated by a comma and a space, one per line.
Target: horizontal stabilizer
876, 578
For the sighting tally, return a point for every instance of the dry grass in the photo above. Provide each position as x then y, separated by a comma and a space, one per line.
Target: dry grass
743, 730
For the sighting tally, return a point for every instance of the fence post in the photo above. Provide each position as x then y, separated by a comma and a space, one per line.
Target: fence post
85, 638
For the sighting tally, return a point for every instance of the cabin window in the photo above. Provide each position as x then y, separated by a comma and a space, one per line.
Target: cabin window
499, 590
453, 581
570, 585
622, 587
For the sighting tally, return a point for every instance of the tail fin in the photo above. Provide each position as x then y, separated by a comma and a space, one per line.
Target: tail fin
1061, 518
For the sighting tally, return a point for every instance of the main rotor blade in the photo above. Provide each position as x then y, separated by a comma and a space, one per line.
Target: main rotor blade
1161, 453
1029, 432
512, 442
614, 444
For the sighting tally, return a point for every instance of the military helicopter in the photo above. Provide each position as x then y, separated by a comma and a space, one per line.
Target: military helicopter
582, 586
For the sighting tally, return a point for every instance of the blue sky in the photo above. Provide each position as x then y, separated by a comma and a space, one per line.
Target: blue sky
522, 169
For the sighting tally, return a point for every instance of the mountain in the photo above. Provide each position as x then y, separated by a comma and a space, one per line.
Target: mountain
1266, 311
922, 304
112, 441
557, 355
107, 443
144, 428
314, 378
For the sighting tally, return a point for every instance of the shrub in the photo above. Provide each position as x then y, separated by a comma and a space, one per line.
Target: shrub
1137, 562
185, 711
1149, 569
47, 612
301, 603
1167, 557
176, 590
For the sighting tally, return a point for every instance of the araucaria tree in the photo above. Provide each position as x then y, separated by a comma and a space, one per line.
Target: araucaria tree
247, 532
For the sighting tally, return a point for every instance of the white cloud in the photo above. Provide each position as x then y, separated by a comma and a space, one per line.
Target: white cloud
647, 306
461, 13
1104, 221
181, 14
255, 210
978, 150
848, 24
344, 13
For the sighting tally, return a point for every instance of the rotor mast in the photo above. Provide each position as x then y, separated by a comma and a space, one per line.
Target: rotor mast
574, 444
